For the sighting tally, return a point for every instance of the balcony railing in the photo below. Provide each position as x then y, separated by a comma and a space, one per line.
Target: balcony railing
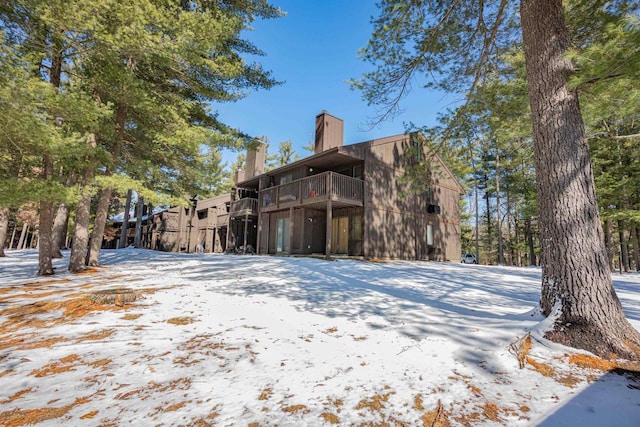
314, 189
246, 206
223, 215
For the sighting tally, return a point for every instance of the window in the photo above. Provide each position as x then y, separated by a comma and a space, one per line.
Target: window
433, 209
357, 172
285, 178
416, 148
357, 228
429, 235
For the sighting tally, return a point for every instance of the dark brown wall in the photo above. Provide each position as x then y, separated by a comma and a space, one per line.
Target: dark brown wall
396, 219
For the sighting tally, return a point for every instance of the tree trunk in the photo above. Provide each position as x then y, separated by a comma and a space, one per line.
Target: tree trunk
624, 248
529, 237
99, 225
477, 218
608, 242
125, 221
13, 235
80, 233
575, 282
139, 209
60, 228
635, 245
78, 258
498, 212
4, 226
45, 256
489, 232
22, 238
61, 224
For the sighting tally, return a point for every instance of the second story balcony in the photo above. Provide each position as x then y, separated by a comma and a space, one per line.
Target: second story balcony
242, 207
314, 190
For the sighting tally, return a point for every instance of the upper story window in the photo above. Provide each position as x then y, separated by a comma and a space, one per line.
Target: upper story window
286, 178
357, 172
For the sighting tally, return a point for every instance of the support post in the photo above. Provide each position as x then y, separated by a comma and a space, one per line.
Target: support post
291, 230
327, 250
259, 231
246, 230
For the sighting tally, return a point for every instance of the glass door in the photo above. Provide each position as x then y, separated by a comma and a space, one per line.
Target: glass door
282, 235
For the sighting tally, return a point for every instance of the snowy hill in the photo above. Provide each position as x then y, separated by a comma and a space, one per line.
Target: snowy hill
183, 339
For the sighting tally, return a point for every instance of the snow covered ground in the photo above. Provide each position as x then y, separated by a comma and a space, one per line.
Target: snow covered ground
250, 340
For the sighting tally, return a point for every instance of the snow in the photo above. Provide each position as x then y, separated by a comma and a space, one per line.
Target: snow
234, 340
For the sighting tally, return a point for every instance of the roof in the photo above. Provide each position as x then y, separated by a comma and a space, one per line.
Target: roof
338, 156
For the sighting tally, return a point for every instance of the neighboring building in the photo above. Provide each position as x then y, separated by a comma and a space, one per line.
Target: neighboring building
343, 200
181, 229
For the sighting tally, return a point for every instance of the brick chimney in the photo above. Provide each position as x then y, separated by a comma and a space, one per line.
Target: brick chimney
239, 177
255, 161
329, 132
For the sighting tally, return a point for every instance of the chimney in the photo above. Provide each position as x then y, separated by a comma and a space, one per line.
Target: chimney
329, 132
255, 161
239, 177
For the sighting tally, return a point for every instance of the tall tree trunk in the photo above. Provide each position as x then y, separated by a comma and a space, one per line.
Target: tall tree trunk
624, 247
23, 233
635, 245
13, 235
575, 282
45, 219
532, 249
489, 231
139, 209
45, 250
106, 193
99, 225
61, 224
498, 212
4, 226
608, 242
125, 221
60, 228
77, 260
80, 233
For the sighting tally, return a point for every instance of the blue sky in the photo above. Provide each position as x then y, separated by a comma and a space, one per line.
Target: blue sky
314, 51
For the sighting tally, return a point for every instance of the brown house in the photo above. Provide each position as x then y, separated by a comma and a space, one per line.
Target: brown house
342, 201
351, 200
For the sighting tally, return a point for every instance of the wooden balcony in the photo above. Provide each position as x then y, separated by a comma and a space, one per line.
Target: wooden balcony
342, 190
242, 207
223, 216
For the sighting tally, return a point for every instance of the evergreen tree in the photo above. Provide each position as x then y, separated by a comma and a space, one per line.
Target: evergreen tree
459, 43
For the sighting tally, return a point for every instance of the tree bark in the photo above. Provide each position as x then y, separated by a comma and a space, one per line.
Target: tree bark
23, 233
576, 281
45, 257
498, 211
635, 245
13, 235
60, 228
608, 242
4, 226
139, 209
99, 225
80, 233
78, 258
125, 222
61, 224
624, 248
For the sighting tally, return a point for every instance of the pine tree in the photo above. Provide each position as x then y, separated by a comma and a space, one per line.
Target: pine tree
460, 43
